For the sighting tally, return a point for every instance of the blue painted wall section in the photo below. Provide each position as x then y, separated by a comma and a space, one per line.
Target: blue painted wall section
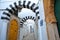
41, 22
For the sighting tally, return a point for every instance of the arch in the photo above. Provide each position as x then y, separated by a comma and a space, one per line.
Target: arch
14, 10
26, 18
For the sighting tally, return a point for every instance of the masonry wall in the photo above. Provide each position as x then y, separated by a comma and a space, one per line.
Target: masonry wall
50, 20
3, 23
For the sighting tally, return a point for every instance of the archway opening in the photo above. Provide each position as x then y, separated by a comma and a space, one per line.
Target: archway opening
29, 30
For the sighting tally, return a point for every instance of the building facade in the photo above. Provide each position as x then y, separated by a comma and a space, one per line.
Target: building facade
43, 19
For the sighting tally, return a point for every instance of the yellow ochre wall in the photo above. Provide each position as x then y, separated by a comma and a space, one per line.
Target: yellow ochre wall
13, 28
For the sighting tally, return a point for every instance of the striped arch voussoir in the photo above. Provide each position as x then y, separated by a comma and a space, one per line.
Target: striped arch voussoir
26, 18
14, 10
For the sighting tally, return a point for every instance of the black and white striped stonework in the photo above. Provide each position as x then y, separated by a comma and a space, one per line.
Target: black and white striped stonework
6, 18
26, 18
19, 6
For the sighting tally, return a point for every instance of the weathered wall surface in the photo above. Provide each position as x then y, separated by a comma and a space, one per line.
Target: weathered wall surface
13, 28
50, 20
49, 11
